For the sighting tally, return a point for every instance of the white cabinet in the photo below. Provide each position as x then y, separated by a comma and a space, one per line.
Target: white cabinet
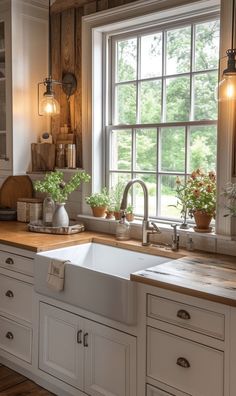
87, 355
23, 63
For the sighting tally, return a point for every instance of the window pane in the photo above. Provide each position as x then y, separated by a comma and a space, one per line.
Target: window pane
207, 45
127, 60
205, 105
150, 102
121, 178
150, 181
151, 55
146, 149
178, 50
168, 197
126, 104
121, 143
177, 99
203, 141
173, 149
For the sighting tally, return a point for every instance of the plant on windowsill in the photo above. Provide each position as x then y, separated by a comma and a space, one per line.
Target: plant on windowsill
54, 185
129, 213
99, 202
229, 192
198, 196
116, 194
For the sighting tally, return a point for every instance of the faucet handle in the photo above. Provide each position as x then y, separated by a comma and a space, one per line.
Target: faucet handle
174, 226
156, 228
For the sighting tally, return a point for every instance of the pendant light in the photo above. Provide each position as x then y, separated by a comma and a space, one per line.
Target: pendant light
48, 105
227, 85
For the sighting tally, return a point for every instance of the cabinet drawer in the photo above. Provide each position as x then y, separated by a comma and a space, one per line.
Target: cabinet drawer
15, 339
153, 391
187, 316
183, 364
16, 263
16, 298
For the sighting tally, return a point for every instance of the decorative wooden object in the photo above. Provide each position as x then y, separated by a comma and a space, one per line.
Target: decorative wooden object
73, 228
43, 156
13, 188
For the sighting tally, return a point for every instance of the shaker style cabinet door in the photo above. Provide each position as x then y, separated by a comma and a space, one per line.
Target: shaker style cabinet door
110, 361
61, 349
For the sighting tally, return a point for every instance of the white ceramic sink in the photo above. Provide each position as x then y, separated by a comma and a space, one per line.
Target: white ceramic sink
97, 278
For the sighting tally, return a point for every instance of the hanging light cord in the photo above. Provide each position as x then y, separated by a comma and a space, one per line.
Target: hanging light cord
233, 20
49, 40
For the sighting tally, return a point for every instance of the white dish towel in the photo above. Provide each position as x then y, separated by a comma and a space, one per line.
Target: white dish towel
56, 274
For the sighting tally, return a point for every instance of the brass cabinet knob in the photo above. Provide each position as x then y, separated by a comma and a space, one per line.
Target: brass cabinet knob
85, 339
79, 337
9, 335
182, 314
182, 362
9, 261
9, 294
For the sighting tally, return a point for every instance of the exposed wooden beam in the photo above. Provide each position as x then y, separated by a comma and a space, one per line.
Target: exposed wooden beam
61, 5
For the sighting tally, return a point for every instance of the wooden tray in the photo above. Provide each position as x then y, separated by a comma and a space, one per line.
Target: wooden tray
73, 228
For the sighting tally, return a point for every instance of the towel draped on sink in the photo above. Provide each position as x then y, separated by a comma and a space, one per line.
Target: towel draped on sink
56, 274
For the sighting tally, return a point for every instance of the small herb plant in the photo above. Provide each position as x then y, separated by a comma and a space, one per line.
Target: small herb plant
198, 193
101, 199
229, 191
116, 194
54, 185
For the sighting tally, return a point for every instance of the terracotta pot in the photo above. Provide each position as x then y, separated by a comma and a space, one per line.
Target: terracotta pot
202, 220
129, 216
99, 211
117, 215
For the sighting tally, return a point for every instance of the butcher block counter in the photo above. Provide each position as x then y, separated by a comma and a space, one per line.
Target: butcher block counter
199, 274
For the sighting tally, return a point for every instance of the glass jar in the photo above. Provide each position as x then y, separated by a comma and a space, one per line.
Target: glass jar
60, 156
48, 211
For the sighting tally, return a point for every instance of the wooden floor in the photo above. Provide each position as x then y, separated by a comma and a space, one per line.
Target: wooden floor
14, 384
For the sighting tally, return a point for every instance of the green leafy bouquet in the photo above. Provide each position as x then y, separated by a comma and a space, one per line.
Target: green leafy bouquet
54, 185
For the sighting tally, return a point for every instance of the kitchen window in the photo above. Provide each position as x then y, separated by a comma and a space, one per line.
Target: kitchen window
161, 110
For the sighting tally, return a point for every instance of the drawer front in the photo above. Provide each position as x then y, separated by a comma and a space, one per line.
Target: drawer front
15, 339
183, 364
16, 298
187, 316
153, 391
16, 263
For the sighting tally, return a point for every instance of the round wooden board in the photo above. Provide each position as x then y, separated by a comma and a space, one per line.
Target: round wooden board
13, 188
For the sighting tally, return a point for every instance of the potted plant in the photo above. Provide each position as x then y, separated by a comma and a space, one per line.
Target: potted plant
116, 194
198, 195
54, 185
98, 202
129, 213
229, 191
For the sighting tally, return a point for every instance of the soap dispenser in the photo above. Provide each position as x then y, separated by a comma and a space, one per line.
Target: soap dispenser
123, 229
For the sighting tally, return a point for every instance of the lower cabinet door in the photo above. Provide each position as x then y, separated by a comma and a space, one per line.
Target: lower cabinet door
61, 348
185, 365
153, 391
110, 361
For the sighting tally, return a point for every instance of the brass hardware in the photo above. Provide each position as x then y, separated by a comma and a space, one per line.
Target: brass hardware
9, 294
182, 314
9, 335
182, 362
86, 340
9, 261
79, 337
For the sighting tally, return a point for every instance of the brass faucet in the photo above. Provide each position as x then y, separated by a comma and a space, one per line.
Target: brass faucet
146, 228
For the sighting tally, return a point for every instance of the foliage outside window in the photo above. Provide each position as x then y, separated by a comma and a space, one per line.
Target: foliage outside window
163, 117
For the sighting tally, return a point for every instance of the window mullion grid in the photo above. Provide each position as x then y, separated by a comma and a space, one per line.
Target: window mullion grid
192, 67
133, 161
138, 76
113, 81
163, 87
187, 150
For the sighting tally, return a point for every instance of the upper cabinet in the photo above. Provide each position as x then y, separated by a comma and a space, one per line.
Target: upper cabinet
23, 63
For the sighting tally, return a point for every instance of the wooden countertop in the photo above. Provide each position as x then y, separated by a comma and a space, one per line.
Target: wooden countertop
199, 274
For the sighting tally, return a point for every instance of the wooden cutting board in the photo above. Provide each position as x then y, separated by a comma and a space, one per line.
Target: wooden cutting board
15, 187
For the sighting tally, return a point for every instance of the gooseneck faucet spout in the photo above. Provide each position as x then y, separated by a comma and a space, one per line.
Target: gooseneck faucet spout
146, 228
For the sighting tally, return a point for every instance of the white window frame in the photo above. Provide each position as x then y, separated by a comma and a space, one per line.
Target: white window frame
93, 29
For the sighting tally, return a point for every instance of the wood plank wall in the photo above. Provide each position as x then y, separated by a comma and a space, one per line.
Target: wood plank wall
66, 57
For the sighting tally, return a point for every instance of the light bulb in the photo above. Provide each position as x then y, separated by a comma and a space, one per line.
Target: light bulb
227, 88
49, 105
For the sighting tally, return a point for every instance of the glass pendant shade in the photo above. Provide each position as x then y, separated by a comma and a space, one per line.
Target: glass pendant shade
49, 106
227, 88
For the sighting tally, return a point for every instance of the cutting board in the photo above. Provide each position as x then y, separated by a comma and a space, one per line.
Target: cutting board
15, 187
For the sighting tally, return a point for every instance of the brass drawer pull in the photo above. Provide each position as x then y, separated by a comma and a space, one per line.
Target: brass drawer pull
9, 335
86, 340
79, 337
182, 362
9, 294
9, 261
182, 314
